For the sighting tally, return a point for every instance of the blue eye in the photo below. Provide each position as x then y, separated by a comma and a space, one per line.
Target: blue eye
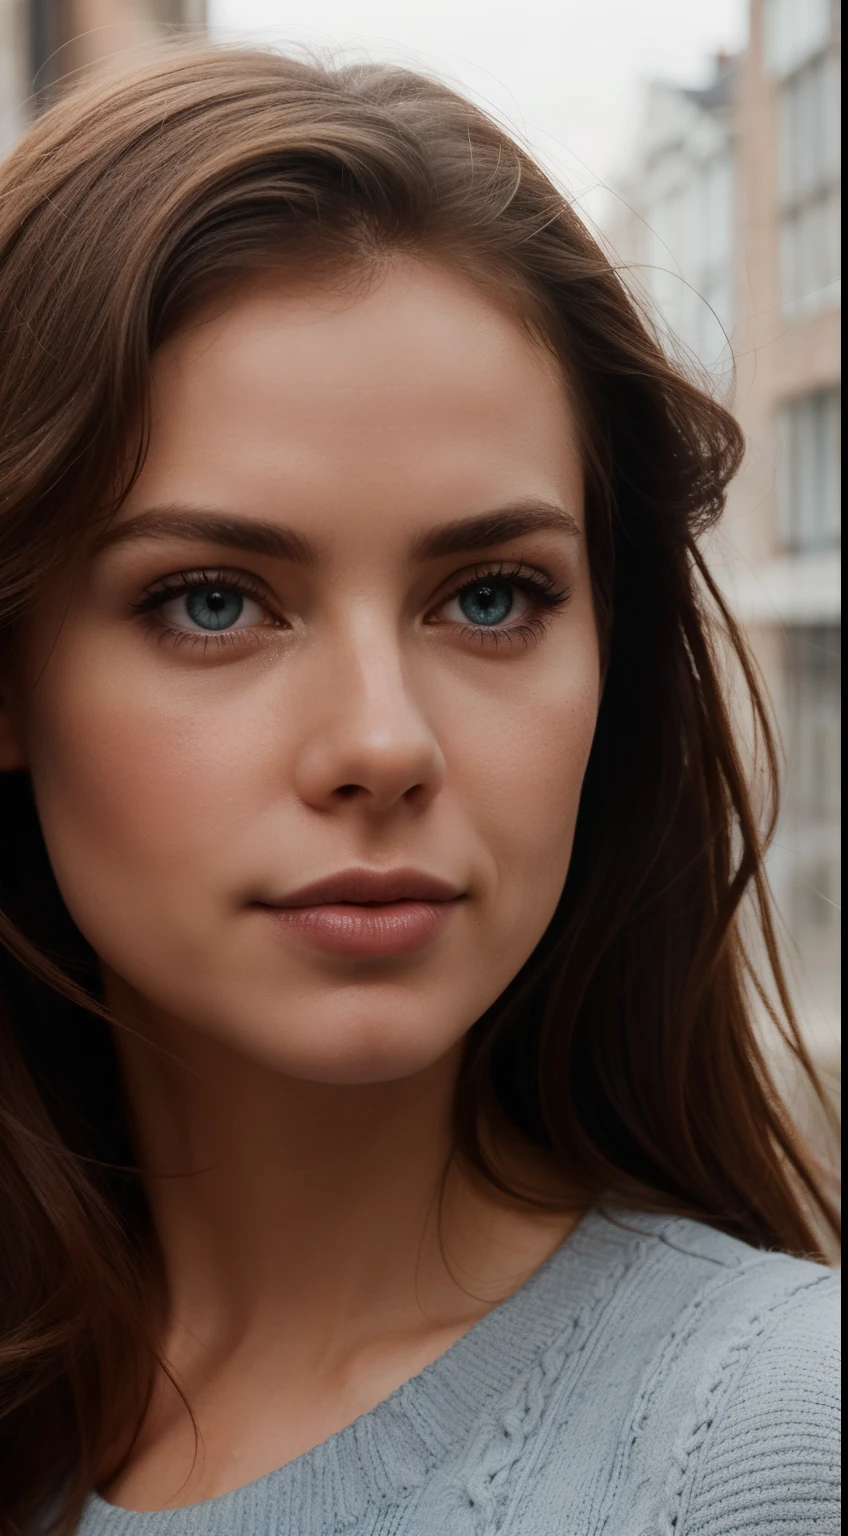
487, 602
210, 608
509, 601
214, 608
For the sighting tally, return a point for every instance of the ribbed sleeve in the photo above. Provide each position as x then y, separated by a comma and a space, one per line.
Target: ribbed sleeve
768, 1464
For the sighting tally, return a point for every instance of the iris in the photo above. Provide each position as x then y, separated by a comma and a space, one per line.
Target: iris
214, 607
486, 602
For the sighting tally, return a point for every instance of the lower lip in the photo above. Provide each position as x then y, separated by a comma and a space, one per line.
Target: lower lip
398, 928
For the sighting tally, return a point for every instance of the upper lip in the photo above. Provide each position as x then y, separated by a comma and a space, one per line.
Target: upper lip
371, 886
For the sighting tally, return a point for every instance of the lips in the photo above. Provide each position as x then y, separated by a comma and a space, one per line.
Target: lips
367, 914
370, 887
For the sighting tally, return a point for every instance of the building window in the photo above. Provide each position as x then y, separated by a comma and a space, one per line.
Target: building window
690, 252
794, 30
809, 470
714, 280
812, 802
810, 242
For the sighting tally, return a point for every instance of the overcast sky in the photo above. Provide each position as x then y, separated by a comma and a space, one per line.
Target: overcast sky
566, 74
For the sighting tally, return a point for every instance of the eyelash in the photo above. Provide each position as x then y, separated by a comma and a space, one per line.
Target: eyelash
170, 587
537, 584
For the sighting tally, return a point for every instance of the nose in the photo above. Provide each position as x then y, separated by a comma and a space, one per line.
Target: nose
367, 740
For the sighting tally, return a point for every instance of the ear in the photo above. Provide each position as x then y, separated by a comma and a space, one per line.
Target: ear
12, 755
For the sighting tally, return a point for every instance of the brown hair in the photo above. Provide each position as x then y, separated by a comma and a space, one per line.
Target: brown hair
628, 1046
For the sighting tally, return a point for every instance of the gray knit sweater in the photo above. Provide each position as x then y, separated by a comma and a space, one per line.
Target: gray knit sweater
652, 1379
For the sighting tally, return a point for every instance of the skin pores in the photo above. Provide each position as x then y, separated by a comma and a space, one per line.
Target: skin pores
372, 705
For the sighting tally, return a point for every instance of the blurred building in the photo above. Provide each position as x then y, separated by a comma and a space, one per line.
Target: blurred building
43, 42
674, 218
728, 218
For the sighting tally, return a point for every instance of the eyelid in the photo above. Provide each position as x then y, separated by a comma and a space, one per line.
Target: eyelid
518, 572
179, 582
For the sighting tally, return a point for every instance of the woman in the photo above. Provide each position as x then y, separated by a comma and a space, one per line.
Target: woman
387, 1142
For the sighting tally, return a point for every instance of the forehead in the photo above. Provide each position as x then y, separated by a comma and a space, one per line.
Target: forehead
419, 389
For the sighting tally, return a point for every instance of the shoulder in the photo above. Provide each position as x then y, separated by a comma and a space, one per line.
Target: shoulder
765, 1450
756, 1354
689, 1388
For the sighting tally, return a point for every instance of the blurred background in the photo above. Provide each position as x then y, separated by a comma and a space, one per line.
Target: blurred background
701, 141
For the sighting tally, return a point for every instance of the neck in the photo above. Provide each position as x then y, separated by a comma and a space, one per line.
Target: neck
314, 1213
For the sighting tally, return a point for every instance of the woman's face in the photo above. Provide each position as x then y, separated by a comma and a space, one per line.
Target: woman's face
340, 637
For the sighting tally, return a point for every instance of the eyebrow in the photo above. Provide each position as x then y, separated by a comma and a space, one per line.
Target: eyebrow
498, 527
201, 527
466, 534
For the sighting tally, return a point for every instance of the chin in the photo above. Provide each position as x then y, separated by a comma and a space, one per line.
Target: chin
360, 1071
352, 1052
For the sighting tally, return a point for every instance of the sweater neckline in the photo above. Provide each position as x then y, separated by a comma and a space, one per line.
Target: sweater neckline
399, 1444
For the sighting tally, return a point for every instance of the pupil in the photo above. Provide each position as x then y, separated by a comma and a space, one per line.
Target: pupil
485, 603
214, 607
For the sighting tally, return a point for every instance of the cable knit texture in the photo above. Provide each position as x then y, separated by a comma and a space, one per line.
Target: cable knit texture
654, 1378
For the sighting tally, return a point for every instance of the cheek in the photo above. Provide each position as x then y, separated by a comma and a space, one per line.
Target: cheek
522, 776
540, 779
138, 788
